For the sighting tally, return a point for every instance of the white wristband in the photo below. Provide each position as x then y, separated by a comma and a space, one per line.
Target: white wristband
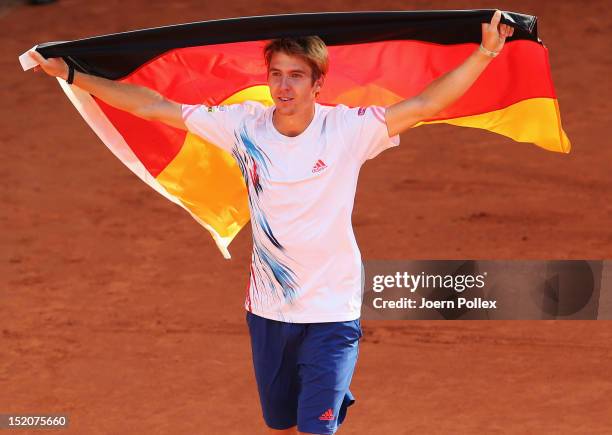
488, 52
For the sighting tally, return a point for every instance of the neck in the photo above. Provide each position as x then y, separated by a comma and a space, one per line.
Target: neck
294, 124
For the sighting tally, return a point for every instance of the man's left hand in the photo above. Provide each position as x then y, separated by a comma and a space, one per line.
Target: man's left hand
494, 34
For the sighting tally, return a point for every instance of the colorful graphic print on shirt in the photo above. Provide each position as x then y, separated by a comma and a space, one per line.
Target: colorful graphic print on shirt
269, 267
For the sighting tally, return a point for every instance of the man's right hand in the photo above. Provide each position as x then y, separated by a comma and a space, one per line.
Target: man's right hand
137, 100
55, 66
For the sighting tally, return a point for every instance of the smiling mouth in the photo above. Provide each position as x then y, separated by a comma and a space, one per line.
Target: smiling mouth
284, 100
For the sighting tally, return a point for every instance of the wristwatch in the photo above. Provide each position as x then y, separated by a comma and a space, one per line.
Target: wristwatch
70, 78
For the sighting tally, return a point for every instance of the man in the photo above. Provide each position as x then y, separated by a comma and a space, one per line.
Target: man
300, 162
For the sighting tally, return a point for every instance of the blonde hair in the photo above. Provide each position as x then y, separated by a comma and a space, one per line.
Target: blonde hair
312, 49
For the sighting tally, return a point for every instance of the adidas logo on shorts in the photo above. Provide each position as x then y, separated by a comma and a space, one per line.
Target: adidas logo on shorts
327, 415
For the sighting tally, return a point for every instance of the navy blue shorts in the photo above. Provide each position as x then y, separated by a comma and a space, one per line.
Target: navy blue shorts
303, 371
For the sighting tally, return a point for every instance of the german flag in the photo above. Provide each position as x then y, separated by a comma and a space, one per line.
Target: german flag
376, 58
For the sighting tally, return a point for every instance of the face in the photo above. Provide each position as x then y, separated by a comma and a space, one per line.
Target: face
291, 86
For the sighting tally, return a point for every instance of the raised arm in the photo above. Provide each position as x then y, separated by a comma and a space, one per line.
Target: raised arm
448, 88
138, 100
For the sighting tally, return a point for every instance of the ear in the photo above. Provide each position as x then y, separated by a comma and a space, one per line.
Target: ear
320, 82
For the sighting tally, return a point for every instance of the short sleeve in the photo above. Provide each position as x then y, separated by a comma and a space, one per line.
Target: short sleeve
367, 132
215, 124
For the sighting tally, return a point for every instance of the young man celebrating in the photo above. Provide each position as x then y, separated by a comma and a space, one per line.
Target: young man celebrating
300, 162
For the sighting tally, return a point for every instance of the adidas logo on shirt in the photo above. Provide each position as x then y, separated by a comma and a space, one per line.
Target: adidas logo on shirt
319, 166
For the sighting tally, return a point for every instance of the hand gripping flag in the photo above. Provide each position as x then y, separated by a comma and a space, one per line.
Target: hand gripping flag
376, 58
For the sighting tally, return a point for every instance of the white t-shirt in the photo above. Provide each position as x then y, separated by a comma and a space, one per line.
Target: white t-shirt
305, 266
